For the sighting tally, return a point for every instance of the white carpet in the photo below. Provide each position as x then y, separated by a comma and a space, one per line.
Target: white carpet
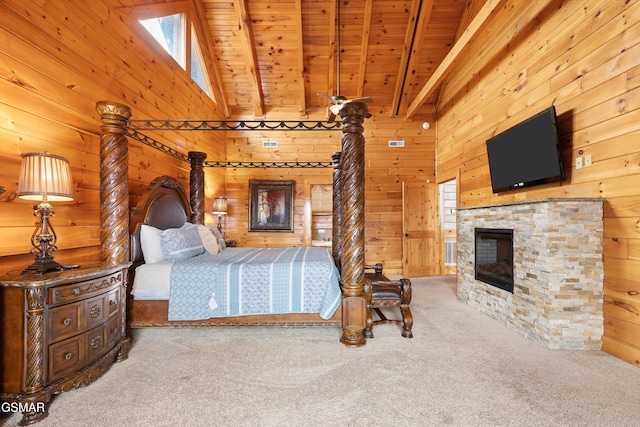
461, 369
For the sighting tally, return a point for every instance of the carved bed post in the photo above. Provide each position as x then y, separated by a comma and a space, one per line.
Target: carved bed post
196, 195
336, 230
114, 182
354, 309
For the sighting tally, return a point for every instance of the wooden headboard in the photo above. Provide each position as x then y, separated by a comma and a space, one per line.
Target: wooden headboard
163, 205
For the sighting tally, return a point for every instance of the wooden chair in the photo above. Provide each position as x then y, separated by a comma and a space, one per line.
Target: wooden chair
381, 292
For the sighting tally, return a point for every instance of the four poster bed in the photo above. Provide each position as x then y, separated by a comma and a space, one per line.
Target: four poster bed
248, 286
165, 207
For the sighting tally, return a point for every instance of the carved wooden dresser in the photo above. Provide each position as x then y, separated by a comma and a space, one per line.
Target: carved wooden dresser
60, 331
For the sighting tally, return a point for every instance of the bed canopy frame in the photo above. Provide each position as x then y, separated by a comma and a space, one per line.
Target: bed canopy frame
348, 190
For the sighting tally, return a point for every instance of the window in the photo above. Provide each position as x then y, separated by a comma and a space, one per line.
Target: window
170, 32
198, 70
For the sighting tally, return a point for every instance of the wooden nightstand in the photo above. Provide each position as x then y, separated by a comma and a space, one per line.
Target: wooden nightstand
60, 331
230, 243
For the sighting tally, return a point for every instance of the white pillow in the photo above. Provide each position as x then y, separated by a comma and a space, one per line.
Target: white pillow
179, 244
150, 244
209, 240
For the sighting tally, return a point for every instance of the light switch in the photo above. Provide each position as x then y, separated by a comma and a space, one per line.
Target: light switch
579, 162
587, 160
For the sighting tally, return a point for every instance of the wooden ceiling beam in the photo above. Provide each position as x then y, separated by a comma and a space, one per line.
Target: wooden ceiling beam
419, 39
331, 81
364, 49
407, 53
302, 97
483, 17
250, 57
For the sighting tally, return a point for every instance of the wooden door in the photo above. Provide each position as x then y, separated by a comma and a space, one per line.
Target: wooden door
421, 246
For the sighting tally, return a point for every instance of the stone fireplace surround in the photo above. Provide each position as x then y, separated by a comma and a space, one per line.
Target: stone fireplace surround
558, 269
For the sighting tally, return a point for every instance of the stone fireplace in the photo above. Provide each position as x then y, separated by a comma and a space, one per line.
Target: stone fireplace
557, 296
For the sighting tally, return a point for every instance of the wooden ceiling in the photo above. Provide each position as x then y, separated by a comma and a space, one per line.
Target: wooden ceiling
273, 58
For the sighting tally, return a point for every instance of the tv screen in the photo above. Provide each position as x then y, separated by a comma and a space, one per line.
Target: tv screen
527, 154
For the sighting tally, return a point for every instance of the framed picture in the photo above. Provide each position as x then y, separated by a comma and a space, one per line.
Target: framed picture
271, 205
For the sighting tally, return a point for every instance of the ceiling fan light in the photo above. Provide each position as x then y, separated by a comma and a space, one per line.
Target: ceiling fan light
335, 108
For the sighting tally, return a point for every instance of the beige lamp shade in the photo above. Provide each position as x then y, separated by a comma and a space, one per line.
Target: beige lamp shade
220, 206
45, 176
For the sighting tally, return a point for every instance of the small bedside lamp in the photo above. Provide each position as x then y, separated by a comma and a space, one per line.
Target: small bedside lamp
220, 208
44, 177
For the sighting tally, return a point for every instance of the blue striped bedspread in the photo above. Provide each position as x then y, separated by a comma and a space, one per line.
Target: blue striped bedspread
245, 281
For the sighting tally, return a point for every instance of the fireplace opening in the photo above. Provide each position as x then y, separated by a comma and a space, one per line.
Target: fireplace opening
494, 257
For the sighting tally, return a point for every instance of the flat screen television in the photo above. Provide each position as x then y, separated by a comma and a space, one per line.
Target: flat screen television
527, 154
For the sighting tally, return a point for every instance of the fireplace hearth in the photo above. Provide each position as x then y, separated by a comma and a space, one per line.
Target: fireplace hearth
557, 270
494, 257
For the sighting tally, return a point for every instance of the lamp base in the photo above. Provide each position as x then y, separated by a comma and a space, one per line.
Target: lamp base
46, 264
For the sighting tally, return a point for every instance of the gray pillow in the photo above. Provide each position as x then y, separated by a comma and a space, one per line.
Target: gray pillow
179, 244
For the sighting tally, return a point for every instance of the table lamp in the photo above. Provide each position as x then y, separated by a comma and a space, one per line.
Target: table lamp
220, 208
44, 177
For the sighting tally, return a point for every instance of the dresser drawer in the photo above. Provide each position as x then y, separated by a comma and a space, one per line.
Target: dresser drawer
95, 311
71, 319
65, 357
65, 321
113, 331
77, 291
114, 301
96, 343
76, 352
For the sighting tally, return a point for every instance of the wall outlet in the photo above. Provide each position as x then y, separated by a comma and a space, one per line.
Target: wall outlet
587, 160
579, 162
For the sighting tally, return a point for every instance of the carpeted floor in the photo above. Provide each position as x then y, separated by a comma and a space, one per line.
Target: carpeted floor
461, 369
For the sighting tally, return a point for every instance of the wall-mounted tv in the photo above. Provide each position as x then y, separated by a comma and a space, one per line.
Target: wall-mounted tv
527, 154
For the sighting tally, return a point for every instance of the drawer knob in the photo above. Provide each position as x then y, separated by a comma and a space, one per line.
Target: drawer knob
76, 291
68, 356
95, 311
67, 321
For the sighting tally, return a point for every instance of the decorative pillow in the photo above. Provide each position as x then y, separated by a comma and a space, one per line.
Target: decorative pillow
150, 244
209, 240
216, 233
179, 244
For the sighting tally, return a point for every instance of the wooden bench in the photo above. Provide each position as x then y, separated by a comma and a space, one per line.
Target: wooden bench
381, 292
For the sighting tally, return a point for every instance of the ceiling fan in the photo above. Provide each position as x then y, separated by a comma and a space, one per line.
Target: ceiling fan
337, 101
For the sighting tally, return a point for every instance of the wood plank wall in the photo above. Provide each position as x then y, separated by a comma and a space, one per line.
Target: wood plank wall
57, 62
385, 170
584, 58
